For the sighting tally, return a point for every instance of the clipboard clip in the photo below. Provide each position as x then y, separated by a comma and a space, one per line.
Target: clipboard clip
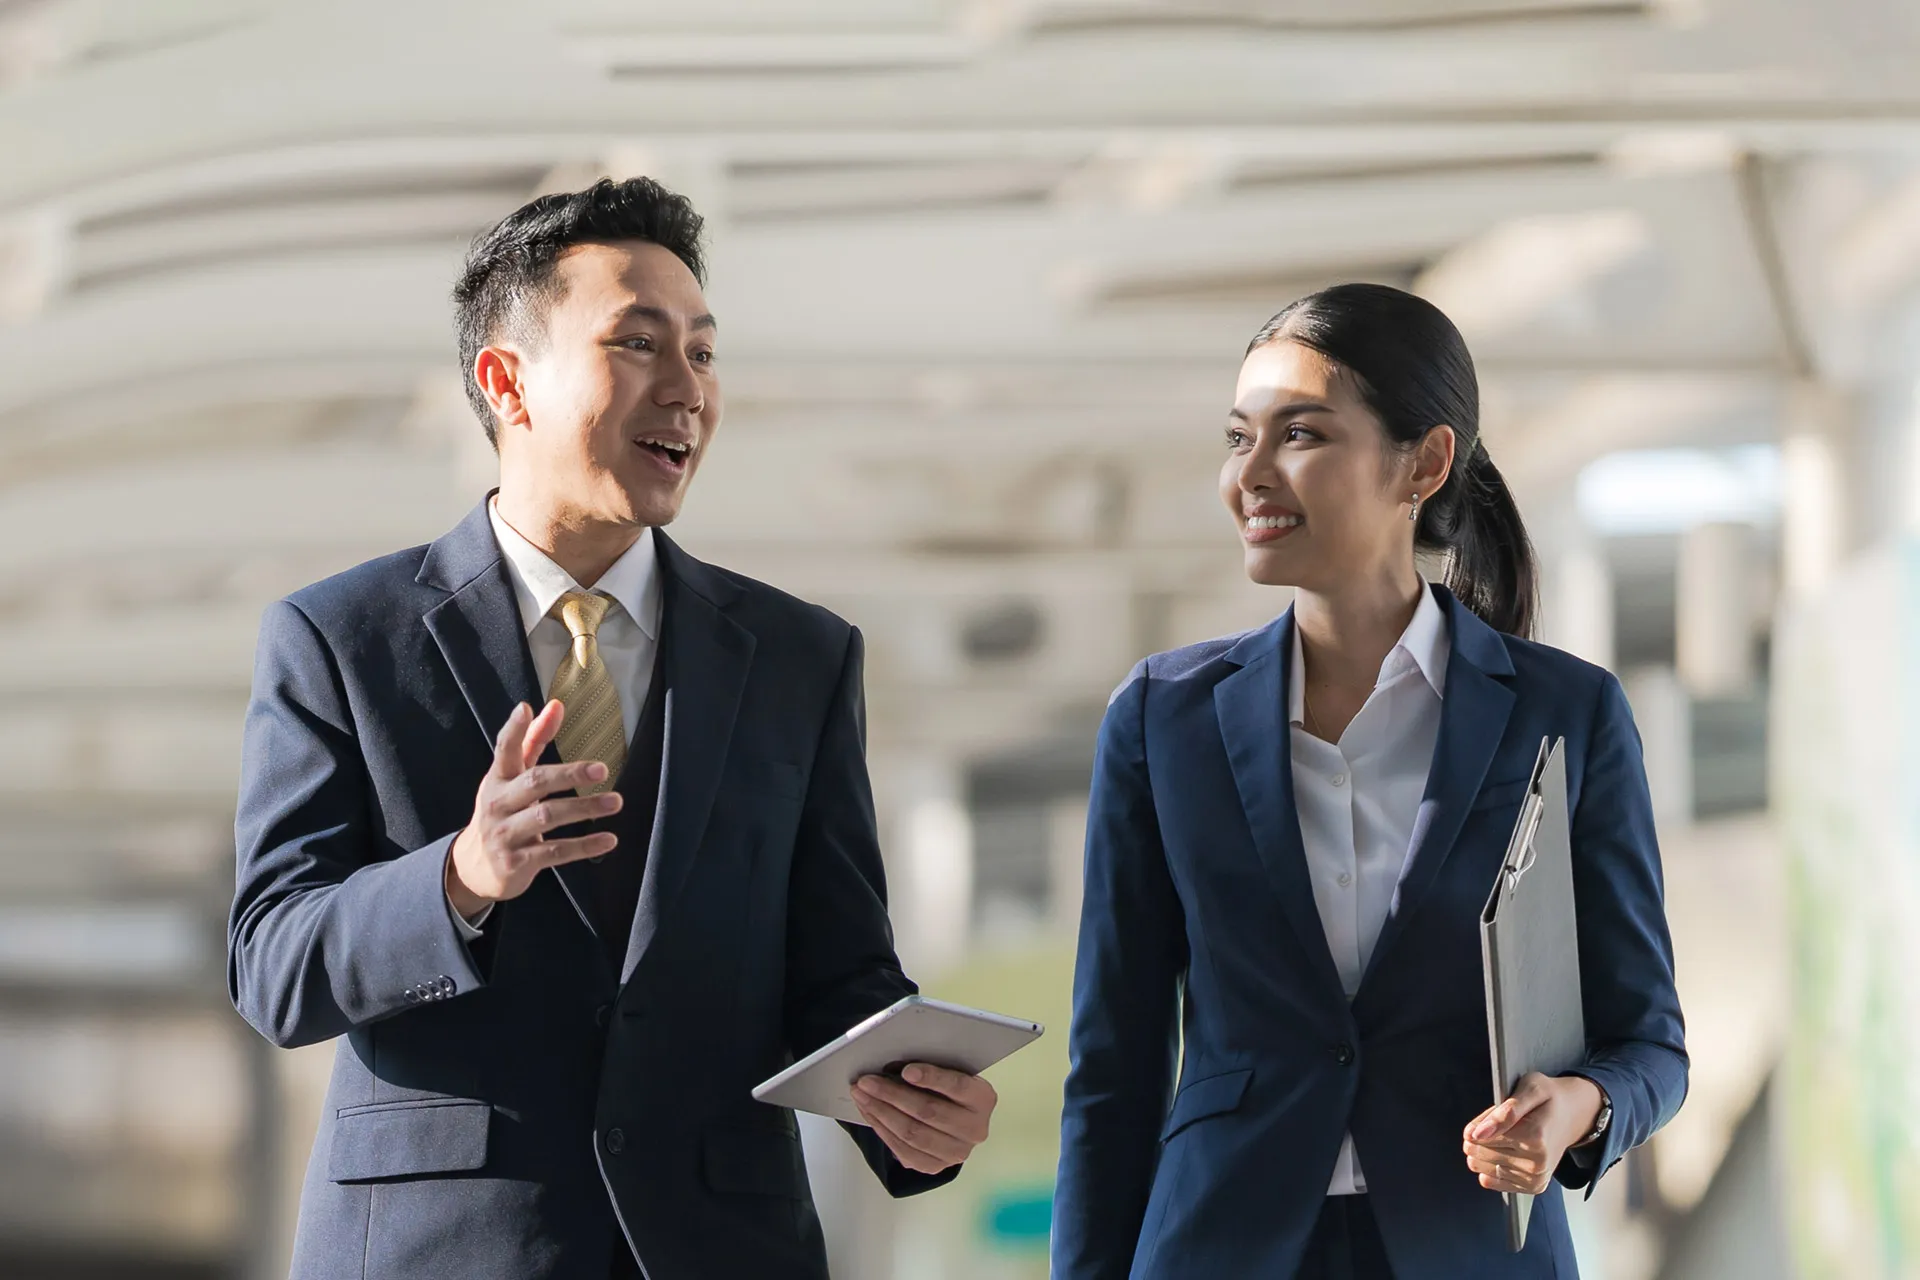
1530, 817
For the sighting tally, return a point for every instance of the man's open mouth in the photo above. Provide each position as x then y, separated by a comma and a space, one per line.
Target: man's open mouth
673, 453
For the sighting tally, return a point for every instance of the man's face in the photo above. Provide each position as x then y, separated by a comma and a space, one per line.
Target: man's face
620, 398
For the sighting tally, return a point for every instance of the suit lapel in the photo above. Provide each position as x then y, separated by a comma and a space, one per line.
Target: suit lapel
1251, 706
708, 657
1473, 719
478, 625
479, 633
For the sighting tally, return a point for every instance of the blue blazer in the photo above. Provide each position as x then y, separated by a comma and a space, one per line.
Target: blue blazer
1199, 925
493, 1104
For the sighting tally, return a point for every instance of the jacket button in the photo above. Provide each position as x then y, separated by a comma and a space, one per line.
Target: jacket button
616, 1142
602, 1016
1343, 1053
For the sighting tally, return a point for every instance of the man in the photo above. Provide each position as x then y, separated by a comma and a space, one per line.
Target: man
561, 947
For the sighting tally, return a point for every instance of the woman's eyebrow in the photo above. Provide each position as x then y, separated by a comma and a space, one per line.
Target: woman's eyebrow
1284, 411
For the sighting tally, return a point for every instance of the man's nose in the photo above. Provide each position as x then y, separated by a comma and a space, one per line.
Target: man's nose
679, 383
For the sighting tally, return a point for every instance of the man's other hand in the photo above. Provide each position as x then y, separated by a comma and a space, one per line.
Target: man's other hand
931, 1118
504, 846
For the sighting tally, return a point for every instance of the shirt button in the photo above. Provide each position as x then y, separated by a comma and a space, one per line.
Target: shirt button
1345, 879
1339, 779
616, 1142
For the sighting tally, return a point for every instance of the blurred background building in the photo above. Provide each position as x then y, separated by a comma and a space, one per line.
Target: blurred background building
985, 269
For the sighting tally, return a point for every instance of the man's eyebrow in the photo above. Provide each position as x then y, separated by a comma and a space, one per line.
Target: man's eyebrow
641, 311
1285, 410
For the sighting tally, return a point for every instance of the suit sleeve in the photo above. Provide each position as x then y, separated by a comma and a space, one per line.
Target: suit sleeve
1124, 1042
841, 964
331, 927
1636, 1045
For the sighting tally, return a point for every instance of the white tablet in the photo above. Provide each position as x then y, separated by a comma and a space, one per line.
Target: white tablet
915, 1029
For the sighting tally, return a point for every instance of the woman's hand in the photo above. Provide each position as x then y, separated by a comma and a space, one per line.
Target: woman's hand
1517, 1145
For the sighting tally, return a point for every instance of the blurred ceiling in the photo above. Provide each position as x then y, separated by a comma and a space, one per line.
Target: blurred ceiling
984, 270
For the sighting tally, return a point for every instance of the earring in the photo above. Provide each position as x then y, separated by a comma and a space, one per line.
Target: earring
1414, 514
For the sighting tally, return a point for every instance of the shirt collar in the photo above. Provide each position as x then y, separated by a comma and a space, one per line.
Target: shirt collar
633, 581
1423, 645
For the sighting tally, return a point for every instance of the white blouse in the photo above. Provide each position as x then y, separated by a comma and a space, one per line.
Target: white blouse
1358, 799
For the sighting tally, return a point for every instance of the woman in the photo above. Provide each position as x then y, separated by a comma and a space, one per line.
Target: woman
1292, 835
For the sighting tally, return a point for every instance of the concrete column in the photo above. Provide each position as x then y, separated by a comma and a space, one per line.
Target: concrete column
1716, 588
1814, 488
1577, 600
1576, 581
857, 1215
1664, 715
920, 792
931, 847
1066, 857
291, 1101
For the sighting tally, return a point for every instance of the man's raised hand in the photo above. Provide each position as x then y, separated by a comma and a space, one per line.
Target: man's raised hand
504, 846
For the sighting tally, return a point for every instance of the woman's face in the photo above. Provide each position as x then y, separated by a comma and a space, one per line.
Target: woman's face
1319, 499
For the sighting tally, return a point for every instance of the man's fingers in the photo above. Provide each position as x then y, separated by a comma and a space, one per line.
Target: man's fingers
533, 822
554, 853
971, 1092
921, 1134
930, 1109
543, 780
918, 1161
934, 1149
543, 729
507, 757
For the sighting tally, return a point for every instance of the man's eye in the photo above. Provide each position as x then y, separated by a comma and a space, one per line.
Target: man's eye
703, 357
640, 344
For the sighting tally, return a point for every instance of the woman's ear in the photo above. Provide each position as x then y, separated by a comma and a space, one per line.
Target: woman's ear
1433, 460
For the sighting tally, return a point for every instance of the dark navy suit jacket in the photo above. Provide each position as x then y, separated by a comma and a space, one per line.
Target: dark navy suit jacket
1199, 922
493, 1104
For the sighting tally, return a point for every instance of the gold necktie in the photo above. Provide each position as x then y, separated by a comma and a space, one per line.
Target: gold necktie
593, 728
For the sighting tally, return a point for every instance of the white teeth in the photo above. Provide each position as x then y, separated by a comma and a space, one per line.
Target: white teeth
1274, 522
669, 445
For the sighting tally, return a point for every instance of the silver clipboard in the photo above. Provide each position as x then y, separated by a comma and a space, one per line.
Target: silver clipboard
1529, 946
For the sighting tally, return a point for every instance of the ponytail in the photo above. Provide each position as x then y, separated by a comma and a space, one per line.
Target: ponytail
1413, 370
1491, 566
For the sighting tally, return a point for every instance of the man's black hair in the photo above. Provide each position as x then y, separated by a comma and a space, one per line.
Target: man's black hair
511, 274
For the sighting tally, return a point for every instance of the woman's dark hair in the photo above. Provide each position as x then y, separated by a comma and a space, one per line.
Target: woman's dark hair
1412, 368
511, 275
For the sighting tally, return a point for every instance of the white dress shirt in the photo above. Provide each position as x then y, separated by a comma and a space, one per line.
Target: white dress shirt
628, 637
1357, 801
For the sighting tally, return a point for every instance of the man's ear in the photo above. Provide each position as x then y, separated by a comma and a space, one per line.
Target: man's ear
498, 372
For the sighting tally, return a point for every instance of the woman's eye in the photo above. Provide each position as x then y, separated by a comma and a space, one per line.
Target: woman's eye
1297, 434
1236, 438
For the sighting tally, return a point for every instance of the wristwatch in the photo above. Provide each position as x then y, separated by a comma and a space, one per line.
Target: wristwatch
1601, 1121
